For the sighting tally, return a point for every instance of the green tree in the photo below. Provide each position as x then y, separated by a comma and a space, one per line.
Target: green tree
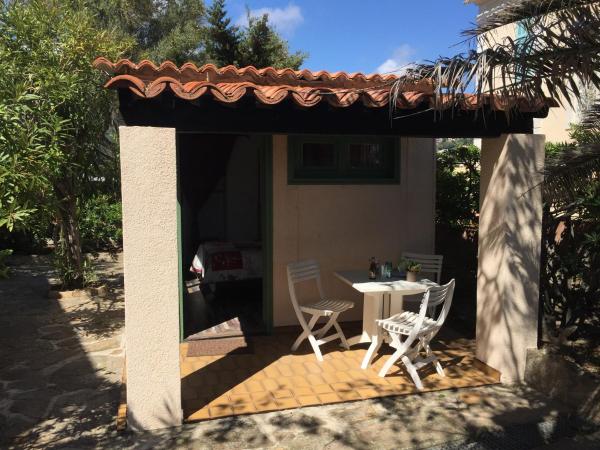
457, 186
184, 30
222, 38
453, 143
162, 29
261, 46
54, 118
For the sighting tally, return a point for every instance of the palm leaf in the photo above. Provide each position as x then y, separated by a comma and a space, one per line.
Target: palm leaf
559, 58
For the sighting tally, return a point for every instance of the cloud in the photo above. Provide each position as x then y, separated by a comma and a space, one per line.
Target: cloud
398, 62
285, 20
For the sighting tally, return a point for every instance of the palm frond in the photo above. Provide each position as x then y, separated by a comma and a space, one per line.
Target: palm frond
590, 118
567, 175
521, 10
558, 58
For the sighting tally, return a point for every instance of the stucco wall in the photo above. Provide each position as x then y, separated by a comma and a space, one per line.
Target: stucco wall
151, 270
343, 225
556, 126
509, 251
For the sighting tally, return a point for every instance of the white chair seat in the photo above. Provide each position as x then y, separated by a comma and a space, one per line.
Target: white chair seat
404, 323
327, 306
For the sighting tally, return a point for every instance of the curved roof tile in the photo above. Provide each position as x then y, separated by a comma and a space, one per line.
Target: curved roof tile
271, 86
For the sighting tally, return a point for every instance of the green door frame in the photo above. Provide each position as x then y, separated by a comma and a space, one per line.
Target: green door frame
266, 187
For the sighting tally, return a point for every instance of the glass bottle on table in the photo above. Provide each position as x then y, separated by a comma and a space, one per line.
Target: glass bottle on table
373, 268
388, 269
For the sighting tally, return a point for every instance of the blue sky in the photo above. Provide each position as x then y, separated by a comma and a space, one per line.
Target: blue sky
365, 36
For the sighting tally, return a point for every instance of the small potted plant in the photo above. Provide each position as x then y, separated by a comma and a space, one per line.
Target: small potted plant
412, 269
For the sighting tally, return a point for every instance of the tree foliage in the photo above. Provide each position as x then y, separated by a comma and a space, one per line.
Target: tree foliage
222, 38
261, 46
257, 44
457, 185
161, 29
185, 30
54, 117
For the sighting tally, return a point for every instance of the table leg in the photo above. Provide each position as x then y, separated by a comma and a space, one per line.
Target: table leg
373, 309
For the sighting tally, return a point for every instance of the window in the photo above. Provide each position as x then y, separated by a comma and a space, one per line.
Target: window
342, 160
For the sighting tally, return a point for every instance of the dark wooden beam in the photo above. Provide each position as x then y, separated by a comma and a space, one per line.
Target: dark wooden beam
209, 116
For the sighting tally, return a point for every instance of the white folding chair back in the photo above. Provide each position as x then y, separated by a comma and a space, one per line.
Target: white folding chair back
308, 270
430, 264
419, 331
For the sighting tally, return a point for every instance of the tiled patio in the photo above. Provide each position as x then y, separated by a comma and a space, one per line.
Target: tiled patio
271, 378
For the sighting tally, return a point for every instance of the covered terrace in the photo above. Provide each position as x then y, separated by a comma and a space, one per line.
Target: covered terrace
172, 113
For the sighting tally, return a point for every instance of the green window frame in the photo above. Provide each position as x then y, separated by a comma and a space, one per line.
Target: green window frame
337, 167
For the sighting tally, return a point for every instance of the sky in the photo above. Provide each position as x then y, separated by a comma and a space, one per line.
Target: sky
364, 36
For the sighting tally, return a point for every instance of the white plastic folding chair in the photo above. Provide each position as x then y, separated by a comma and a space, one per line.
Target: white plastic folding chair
430, 264
309, 270
419, 331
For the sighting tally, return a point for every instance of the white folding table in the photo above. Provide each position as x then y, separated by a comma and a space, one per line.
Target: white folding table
378, 298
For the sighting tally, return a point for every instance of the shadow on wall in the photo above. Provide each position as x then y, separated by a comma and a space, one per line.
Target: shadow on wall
509, 254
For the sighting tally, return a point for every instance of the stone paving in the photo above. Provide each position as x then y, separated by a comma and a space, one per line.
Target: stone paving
59, 388
445, 419
61, 359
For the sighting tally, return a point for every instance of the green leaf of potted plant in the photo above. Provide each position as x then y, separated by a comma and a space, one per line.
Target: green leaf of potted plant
412, 269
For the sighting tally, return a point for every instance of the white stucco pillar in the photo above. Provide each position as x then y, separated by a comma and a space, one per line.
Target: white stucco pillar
509, 251
150, 246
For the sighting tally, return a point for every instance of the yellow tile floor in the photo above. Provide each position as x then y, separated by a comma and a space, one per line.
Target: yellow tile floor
272, 378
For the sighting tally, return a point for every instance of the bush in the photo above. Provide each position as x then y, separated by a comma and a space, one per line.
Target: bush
4, 269
570, 277
457, 191
100, 224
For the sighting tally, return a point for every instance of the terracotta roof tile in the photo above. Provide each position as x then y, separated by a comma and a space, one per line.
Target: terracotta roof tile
272, 86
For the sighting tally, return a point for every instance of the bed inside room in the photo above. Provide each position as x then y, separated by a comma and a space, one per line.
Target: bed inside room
221, 235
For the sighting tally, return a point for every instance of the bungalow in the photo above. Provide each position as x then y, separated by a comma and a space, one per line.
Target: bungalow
256, 168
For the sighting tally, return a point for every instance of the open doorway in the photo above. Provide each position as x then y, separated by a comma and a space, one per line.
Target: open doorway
223, 214
457, 224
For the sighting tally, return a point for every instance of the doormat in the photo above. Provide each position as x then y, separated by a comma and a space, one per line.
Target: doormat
238, 345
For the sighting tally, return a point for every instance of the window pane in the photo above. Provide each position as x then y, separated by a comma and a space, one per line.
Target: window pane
318, 155
366, 156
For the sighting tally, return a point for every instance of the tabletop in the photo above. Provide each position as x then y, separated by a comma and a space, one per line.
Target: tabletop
360, 281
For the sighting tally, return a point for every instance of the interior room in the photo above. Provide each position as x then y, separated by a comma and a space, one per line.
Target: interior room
221, 226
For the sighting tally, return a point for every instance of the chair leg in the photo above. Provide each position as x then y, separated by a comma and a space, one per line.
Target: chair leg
390, 362
321, 333
412, 371
315, 346
435, 362
373, 348
439, 368
341, 333
306, 333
